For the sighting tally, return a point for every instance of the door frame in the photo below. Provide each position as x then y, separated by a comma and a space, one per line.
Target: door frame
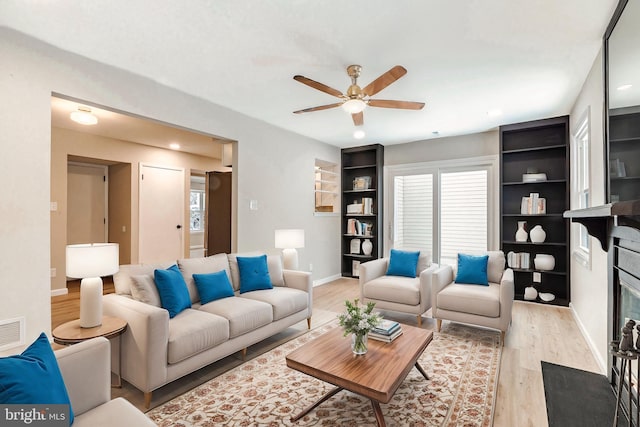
105, 171
141, 166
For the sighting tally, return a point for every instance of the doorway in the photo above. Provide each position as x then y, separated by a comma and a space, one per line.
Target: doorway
86, 203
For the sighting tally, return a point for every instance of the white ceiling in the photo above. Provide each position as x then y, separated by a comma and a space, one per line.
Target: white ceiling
464, 58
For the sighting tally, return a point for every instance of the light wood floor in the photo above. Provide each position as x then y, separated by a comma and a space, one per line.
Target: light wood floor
538, 332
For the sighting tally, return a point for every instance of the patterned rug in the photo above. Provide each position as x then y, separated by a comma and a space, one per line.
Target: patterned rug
462, 363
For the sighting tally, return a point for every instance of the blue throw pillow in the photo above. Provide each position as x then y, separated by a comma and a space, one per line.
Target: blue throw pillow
254, 273
213, 286
472, 269
403, 263
174, 295
33, 377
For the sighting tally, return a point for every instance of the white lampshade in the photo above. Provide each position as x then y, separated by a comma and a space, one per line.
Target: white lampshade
289, 239
354, 106
89, 262
92, 260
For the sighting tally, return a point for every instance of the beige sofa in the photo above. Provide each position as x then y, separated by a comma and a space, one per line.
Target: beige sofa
410, 295
86, 370
156, 350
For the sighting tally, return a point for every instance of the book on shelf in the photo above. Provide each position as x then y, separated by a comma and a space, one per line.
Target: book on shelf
358, 228
385, 338
386, 327
355, 268
533, 205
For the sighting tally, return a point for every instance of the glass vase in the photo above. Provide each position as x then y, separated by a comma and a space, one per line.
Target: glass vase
359, 342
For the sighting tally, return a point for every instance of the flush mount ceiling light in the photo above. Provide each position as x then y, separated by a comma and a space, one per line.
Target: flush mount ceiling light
358, 134
84, 116
174, 146
494, 113
624, 87
354, 106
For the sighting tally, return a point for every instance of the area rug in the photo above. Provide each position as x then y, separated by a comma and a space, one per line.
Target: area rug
578, 398
462, 363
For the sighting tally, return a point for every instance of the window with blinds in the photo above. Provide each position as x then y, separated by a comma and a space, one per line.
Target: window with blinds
443, 212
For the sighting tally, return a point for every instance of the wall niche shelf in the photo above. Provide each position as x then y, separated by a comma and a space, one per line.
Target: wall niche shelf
361, 185
541, 145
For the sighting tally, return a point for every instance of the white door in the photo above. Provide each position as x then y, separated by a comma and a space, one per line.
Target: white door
161, 213
86, 204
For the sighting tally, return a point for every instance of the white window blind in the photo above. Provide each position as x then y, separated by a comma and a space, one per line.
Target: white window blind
463, 213
413, 210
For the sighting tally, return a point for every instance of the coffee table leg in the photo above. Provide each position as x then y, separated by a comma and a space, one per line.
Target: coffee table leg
424, 374
378, 412
322, 399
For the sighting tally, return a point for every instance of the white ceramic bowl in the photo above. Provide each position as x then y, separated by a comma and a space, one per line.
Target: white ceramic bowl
544, 262
547, 297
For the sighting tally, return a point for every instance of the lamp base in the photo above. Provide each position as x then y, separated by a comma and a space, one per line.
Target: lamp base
91, 302
290, 259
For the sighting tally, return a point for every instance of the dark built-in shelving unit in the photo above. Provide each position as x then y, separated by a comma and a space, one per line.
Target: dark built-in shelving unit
543, 145
364, 161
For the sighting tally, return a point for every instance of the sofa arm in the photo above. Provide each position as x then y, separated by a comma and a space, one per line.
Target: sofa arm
441, 277
300, 280
144, 343
507, 291
425, 286
86, 370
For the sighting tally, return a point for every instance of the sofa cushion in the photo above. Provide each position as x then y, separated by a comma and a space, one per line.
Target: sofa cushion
285, 301
174, 296
402, 290
213, 286
274, 263
472, 269
144, 289
403, 263
211, 264
424, 261
122, 279
33, 377
472, 299
254, 273
193, 331
244, 314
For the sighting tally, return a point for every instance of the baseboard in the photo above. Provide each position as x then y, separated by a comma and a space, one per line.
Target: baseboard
326, 280
601, 363
58, 292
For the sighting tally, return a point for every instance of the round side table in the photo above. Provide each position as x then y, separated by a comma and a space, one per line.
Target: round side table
112, 327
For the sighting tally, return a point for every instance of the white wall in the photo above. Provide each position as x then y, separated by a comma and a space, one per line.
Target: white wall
589, 285
273, 166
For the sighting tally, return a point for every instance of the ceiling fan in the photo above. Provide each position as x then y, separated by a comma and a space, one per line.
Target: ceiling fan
356, 99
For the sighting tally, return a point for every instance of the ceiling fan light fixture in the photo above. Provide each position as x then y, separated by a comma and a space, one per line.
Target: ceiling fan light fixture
354, 106
84, 116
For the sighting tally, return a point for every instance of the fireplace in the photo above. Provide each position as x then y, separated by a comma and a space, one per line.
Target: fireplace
617, 227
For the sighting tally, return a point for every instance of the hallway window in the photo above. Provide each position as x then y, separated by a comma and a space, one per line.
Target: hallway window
196, 204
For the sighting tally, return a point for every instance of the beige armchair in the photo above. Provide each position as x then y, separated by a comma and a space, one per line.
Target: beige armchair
397, 293
488, 306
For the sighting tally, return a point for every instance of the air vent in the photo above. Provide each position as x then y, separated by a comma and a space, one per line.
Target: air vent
11, 333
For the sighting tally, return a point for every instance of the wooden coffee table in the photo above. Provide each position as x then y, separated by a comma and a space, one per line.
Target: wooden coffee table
375, 375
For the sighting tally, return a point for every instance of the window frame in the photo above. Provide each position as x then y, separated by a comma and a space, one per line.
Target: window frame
201, 203
581, 183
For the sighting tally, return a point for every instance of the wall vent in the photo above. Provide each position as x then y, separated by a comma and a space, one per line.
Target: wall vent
12, 333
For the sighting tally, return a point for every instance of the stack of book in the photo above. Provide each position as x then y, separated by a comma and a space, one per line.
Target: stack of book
386, 331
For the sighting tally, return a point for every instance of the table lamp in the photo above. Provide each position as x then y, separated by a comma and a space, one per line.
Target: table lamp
89, 262
288, 241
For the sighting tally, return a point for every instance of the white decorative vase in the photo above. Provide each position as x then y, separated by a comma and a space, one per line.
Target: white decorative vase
537, 234
521, 233
367, 247
544, 262
530, 293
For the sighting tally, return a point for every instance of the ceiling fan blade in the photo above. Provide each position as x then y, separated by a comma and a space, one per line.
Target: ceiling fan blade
319, 86
405, 105
321, 107
358, 118
385, 80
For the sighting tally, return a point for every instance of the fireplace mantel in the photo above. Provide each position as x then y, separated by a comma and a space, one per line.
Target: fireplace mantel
600, 220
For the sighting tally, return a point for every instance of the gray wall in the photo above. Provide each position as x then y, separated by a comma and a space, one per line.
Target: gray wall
274, 166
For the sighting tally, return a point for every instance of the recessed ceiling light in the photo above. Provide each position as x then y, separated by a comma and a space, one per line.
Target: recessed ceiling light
494, 113
174, 146
84, 116
624, 87
358, 134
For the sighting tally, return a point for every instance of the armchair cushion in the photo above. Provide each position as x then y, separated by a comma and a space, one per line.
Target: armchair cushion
472, 269
403, 263
401, 290
33, 377
471, 299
